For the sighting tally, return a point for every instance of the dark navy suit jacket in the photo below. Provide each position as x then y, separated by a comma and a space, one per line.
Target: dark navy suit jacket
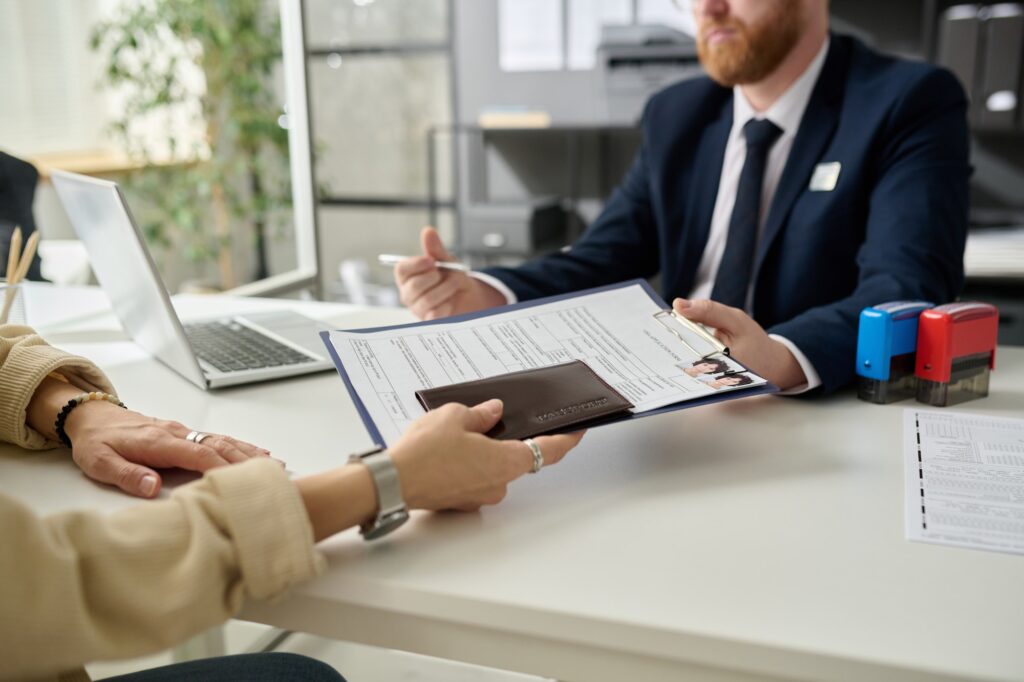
893, 228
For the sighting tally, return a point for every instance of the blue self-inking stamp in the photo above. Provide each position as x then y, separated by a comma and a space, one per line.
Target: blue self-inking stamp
886, 346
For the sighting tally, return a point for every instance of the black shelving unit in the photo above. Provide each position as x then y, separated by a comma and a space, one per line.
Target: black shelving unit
328, 196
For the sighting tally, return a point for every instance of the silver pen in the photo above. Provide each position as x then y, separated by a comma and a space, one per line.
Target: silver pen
394, 259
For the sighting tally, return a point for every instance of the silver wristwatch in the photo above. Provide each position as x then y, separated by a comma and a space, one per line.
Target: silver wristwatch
391, 509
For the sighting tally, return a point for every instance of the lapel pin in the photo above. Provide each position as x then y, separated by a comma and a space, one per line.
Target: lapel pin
825, 176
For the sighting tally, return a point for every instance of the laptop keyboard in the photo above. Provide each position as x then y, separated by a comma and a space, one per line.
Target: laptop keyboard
231, 347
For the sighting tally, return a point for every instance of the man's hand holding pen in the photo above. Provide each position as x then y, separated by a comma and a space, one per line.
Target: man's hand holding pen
432, 291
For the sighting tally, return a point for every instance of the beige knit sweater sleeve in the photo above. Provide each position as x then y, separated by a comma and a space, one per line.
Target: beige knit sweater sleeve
25, 360
84, 586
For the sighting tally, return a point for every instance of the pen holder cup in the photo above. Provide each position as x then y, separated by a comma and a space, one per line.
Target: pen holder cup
12, 304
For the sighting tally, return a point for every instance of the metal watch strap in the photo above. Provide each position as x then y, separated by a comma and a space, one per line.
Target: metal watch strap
391, 509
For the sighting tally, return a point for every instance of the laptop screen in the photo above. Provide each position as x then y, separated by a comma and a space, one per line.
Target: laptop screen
125, 269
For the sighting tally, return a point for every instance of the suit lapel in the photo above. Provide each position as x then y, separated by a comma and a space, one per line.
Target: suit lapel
815, 131
703, 191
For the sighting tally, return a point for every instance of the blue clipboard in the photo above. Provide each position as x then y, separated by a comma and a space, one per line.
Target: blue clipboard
378, 439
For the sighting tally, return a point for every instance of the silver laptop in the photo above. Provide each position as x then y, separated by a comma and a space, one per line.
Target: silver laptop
229, 350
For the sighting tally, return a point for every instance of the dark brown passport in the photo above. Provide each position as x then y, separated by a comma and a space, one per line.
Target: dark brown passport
536, 401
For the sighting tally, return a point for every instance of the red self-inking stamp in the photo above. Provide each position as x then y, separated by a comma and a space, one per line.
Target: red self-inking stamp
956, 351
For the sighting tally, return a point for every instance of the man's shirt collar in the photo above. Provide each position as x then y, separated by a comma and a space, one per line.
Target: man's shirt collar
788, 109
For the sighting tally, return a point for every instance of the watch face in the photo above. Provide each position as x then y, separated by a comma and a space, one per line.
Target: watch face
386, 524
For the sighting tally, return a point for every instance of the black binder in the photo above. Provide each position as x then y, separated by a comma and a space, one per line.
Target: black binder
999, 101
959, 48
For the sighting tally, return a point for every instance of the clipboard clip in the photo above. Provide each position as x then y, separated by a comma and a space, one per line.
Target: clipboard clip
700, 330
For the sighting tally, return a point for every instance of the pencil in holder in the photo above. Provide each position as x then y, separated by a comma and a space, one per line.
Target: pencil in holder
12, 304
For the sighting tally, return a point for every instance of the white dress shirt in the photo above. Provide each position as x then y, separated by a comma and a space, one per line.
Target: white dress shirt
786, 113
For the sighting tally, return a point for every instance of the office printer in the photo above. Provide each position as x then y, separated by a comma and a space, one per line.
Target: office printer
636, 61
518, 228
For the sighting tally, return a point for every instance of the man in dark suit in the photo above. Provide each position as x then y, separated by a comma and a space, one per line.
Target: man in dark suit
807, 178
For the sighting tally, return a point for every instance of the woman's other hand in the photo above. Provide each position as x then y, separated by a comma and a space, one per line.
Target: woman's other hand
445, 462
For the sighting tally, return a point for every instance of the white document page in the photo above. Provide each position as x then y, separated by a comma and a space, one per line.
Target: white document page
964, 479
530, 35
614, 332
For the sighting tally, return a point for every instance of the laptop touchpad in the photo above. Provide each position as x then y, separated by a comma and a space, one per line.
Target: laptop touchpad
298, 329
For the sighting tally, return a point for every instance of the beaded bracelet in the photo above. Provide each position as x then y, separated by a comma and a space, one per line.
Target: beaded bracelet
62, 416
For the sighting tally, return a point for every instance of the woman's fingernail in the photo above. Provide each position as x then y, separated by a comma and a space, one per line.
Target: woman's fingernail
148, 485
680, 303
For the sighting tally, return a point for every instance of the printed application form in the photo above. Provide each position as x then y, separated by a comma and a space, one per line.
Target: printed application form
964, 480
614, 331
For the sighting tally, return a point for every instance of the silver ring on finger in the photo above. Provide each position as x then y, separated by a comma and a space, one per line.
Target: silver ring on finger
538, 456
197, 437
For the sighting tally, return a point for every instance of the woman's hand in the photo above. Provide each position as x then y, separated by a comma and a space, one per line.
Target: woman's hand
117, 446
445, 462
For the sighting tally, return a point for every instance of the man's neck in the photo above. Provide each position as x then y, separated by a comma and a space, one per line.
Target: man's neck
764, 93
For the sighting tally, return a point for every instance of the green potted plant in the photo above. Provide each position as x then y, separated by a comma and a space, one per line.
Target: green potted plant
230, 181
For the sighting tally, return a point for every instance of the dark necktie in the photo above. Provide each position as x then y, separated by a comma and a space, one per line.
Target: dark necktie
735, 270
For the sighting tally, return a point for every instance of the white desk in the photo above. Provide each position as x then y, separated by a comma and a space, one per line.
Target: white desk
752, 540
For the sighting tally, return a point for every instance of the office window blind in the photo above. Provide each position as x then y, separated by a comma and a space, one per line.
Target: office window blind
48, 77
